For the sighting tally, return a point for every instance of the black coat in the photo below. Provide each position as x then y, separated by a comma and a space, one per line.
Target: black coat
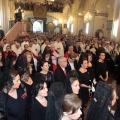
68, 68
78, 51
59, 75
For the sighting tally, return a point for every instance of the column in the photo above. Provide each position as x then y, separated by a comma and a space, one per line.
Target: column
5, 15
116, 21
91, 25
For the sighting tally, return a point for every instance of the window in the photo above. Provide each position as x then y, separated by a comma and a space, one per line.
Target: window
87, 28
115, 28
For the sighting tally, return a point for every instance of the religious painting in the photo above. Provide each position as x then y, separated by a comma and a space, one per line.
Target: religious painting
39, 11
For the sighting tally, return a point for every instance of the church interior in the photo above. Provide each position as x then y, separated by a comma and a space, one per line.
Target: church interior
95, 18
75, 29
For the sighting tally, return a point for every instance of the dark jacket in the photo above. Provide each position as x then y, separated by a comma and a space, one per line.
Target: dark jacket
78, 51
59, 75
68, 68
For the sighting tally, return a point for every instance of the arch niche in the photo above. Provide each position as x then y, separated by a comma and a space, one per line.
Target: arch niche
99, 33
50, 27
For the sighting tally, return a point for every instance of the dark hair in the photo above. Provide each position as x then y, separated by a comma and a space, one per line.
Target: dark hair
55, 98
101, 52
25, 76
9, 79
71, 103
38, 85
98, 109
35, 39
86, 46
72, 76
43, 62
82, 60
4, 39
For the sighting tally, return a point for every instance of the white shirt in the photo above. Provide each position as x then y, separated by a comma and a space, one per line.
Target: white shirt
5, 45
59, 48
23, 43
72, 66
43, 47
17, 50
36, 49
12, 46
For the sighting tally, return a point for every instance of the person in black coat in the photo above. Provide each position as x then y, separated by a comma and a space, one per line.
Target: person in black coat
77, 48
101, 68
60, 73
100, 107
71, 62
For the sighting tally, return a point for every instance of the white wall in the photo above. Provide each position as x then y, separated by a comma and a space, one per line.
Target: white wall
100, 23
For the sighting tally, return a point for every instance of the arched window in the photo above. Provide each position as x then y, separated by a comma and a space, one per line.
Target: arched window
38, 26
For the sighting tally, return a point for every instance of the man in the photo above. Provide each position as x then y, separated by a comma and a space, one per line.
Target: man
13, 45
70, 50
8, 50
77, 48
17, 49
59, 46
5, 44
101, 68
35, 47
72, 63
25, 42
46, 43
60, 73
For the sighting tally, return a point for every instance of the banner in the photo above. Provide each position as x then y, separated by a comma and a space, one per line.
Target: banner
39, 11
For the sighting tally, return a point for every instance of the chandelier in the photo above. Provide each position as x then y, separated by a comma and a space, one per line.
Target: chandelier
88, 16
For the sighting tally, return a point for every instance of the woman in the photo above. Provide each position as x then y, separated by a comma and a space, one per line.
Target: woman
72, 84
47, 57
39, 101
84, 79
27, 82
71, 107
104, 98
55, 98
15, 100
23, 63
91, 72
45, 74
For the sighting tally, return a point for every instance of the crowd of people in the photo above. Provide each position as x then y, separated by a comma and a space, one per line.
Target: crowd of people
54, 76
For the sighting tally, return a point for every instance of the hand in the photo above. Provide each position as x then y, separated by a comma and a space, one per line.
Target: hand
1, 64
106, 79
89, 87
